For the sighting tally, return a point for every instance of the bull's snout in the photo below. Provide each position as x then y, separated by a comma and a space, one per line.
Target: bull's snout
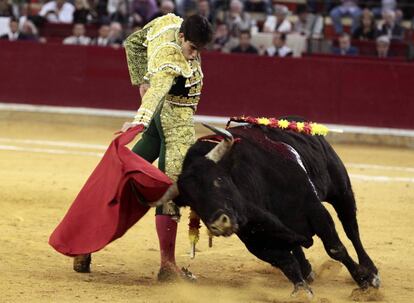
223, 226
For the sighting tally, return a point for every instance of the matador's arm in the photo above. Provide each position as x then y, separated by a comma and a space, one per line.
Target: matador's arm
160, 85
136, 53
161, 68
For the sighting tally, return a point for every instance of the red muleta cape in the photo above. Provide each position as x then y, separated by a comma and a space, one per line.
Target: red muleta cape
107, 206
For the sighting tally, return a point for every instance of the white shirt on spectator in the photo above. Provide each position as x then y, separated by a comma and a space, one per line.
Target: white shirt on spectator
65, 15
102, 41
281, 52
13, 36
270, 25
82, 40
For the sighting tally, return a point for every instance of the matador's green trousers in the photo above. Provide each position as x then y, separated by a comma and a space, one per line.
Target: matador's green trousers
168, 137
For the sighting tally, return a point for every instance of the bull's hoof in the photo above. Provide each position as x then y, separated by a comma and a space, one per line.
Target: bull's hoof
366, 278
302, 293
376, 281
311, 277
82, 263
369, 294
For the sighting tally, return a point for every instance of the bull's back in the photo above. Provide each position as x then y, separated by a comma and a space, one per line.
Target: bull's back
321, 162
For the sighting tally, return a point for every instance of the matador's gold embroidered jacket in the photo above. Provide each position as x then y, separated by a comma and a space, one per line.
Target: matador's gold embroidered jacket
154, 55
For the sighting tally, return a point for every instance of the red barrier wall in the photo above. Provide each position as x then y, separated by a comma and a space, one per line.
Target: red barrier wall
332, 90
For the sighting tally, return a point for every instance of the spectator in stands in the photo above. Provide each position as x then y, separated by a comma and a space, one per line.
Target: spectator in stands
345, 48
118, 11
245, 46
258, 6
389, 27
236, 18
385, 6
142, 11
308, 24
186, 8
366, 30
346, 8
57, 11
116, 34
82, 13
222, 40
203, 9
14, 34
100, 8
325, 6
30, 31
279, 47
383, 47
6, 9
103, 36
78, 37
24, 14
278, 22
166, 7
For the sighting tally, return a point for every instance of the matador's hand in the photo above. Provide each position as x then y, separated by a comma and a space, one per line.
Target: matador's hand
143, 89
128, 125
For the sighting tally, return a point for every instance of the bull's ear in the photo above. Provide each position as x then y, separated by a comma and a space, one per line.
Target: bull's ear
217, 153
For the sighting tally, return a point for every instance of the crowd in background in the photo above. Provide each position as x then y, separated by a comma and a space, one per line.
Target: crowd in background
235, 21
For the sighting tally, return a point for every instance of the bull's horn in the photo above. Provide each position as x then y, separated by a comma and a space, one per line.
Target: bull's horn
219, 131
171, 193
223, 147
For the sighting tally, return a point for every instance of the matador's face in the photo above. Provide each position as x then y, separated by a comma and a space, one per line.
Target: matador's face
189, 49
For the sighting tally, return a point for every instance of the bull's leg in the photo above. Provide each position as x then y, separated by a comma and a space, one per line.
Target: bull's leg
345, 207
304, 264
286, 262
325, 229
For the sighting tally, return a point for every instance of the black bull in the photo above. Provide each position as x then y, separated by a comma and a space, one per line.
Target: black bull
267, 188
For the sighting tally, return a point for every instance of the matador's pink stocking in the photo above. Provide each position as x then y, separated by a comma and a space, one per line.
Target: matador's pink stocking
167, 232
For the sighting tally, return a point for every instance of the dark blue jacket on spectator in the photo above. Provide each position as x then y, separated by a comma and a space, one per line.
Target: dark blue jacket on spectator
352, 51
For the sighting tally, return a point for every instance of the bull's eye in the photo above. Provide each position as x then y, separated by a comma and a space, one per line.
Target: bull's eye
217, 182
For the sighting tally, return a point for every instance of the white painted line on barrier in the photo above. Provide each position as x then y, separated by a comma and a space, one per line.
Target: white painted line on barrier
380, 178
54, 143
66, 110
197, 118
104, 147
354, 177
48, 151
379, 167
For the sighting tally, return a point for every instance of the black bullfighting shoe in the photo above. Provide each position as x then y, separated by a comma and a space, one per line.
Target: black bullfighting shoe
82, 263
167, 274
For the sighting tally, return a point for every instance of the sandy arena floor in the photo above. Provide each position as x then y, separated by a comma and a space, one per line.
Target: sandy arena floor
40, 178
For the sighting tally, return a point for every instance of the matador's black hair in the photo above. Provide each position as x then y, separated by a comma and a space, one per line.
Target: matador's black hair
197, 30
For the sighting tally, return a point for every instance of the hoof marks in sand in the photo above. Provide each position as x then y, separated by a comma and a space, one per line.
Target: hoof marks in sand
369, 294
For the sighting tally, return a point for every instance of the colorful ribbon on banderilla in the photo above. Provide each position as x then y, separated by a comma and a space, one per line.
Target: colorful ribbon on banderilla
194, 233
